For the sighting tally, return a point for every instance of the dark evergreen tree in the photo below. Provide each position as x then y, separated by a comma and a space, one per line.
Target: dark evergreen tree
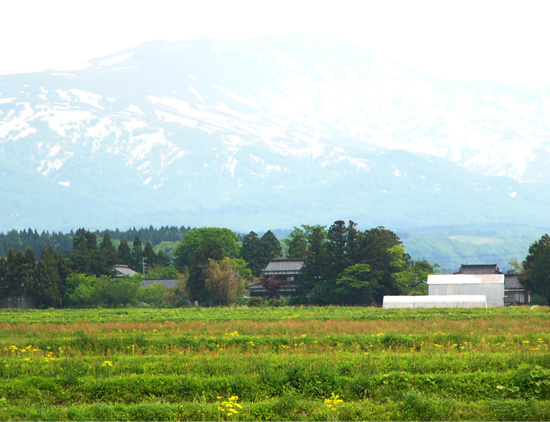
28, 271
375, 249
336, 260
3, 280
124, 253
51, 273
108, 256
271, 247
14, 281
150, 255
196, 285
137, 255
251, 252
84, 257
315, 262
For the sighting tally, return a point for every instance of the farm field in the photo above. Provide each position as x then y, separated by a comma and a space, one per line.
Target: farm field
311, 363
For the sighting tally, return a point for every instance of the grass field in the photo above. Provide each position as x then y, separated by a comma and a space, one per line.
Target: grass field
275, 364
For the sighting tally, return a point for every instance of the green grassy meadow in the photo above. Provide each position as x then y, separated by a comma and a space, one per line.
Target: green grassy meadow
311, 363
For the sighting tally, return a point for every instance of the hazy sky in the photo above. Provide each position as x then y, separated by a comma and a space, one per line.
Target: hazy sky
461, 40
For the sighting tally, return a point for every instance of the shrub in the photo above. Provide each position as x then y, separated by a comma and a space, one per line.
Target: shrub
537, 299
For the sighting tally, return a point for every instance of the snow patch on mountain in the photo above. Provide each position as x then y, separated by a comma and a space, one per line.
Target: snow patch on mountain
88, 97
16, 125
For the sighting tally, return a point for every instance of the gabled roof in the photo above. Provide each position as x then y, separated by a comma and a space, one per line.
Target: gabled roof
123, 270
479, 269
284, 266
511, 282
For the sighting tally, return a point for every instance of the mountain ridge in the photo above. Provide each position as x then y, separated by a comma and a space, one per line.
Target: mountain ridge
267, 133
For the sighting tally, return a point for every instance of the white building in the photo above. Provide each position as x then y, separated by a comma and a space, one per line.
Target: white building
489, 285
447, 301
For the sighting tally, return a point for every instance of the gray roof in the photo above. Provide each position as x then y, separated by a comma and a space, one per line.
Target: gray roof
169, 283
284, 266
511, 282
479, 269
123, 270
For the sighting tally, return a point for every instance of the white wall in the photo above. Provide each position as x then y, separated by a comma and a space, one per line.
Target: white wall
490, 285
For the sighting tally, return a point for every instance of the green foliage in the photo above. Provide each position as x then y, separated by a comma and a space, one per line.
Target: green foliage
222, 281
251, 252
160, 272
256, 301
196, 283
51, 273
356, 285
89, 291
536, 267
536, 299
193, 240
155, 294
124, 253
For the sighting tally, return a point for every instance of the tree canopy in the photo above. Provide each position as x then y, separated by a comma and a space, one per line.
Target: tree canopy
226, 239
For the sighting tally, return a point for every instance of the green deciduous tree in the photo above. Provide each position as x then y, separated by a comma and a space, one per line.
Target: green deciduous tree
196, 283
185, 250
89, 291
357, 286
155, 294
536, 267
222, 281
297, 243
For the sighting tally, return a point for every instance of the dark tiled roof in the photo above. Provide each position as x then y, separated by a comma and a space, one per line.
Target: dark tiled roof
511, 282
479, 269
284, 266
169, 283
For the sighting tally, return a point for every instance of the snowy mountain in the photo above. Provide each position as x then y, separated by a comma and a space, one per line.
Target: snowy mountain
267, 133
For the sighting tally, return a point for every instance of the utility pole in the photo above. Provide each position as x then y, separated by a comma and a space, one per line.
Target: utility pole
143, 259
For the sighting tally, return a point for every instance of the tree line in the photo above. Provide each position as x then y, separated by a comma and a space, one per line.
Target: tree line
343, 265
62, 242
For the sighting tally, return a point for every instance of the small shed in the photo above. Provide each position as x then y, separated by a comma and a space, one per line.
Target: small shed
514, 292
489, 285
445, 301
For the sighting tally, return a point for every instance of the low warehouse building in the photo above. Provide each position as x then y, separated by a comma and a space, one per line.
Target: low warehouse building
447, 301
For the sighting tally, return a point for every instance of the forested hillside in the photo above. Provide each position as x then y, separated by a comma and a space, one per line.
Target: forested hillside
63, 242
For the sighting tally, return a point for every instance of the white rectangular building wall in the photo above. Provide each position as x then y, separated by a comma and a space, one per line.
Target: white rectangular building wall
489, 285
448, 301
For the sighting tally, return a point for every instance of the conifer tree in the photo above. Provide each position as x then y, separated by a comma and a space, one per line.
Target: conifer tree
108, 256
251, 252
124, 253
